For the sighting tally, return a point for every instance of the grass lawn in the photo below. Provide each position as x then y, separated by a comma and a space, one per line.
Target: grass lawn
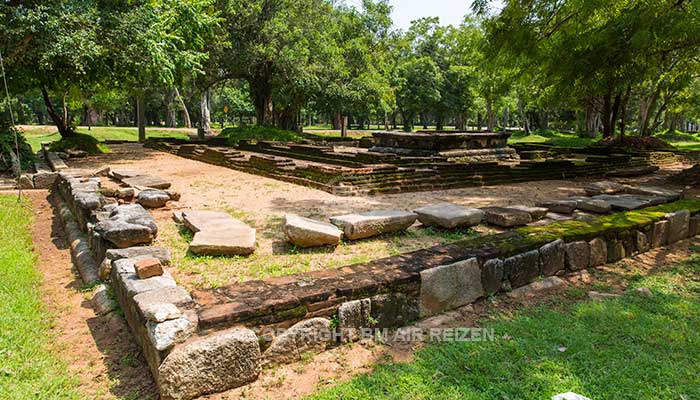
37, 134
553, 138
29, 367
633, 347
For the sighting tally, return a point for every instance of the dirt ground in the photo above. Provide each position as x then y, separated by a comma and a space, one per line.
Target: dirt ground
263, 202
99, 350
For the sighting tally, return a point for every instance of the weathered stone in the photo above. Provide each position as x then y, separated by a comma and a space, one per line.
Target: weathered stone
160, 253
152, 198
533, 288
659, 234
174, 196
123, 173
585, 217
201, 220
506, 217
578, 255
102, 171
133, 285
536, 213
694, 226
597, 296
450, 286
305, 232
352, 317
373, 223
599, 252
560, 206
169, 295
643, 291
556, 217
627, 202
127, 226
237, 240
166, 334
569, 396
126, 193
161, 312
677, 225
102, 301
148, 267
394, 309
142, 182
642, 242
310, 336
597, 206
523, 268
653, 191
44, 180
616, 251
448, 215
605, 187
552, 257
26, 181
492, 274
212, 364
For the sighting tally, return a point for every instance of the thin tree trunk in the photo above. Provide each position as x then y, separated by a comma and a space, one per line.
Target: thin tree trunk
61, 123
188, 121
141, 117
523, 116
623, 112
491, 118
205, 123
344, 126
170, 118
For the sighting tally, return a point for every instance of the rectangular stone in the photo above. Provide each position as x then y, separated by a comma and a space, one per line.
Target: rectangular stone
522, 268
677, 225
659, 234
694, 226
578, 255
450, 286
148, 268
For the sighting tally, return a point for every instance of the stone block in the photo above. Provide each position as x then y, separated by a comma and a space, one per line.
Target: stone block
578, 255
234, 241
394, 310
560, 206
211, 364
450, 286
552, 257
153, 198
492, 274
373, 223
694, 226
506, 217
616, 250
550, 282
523, 268
599, 252
536, 213
659, 234
677, 225
148, 268
305, 232
310, 336
642, 242
164, 335
597, 206
448, 215
352, 317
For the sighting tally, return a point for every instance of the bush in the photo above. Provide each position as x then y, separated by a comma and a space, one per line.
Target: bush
79, 141
260, 133
7, 146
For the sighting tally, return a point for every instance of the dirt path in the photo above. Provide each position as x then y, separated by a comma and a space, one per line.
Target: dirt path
98, 349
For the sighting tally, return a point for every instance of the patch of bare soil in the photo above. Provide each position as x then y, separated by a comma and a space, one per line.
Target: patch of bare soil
343, 363
99, 350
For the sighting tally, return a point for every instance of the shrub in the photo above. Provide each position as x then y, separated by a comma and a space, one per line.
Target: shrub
7, 146
79, 141
260, 133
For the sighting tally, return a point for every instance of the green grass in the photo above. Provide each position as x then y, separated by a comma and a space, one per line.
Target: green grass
628, 348
553, 138
36, 135
236, 134
29, 366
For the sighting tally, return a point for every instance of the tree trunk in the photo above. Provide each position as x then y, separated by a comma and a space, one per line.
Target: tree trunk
523, 116
607, 110
141, 117
188, 121
459, 122
205, 122
407, 122
491, 117
61, 122
344, 126
261, 94
170, 118
439, 123
623, 112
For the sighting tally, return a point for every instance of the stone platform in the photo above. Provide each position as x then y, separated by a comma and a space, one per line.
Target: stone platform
477, 146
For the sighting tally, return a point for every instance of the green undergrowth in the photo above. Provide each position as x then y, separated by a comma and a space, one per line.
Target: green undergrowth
29, 365
79, 141
628, 348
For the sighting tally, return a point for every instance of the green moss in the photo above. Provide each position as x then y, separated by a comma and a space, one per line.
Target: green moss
80, 142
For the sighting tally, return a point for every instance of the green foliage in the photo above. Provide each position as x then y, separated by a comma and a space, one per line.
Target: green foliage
258, 133
7, 146
79, 141
30, 368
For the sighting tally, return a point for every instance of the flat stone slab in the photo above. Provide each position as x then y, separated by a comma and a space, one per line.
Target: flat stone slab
153, 198
128, 225
142, 182
560, 206
306, 232
536, 213
200, 220
450, 286
629, 202
448, 215
506, 217
124, 173
373, 223
237, 240
605, 187
589, 204
671, 195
